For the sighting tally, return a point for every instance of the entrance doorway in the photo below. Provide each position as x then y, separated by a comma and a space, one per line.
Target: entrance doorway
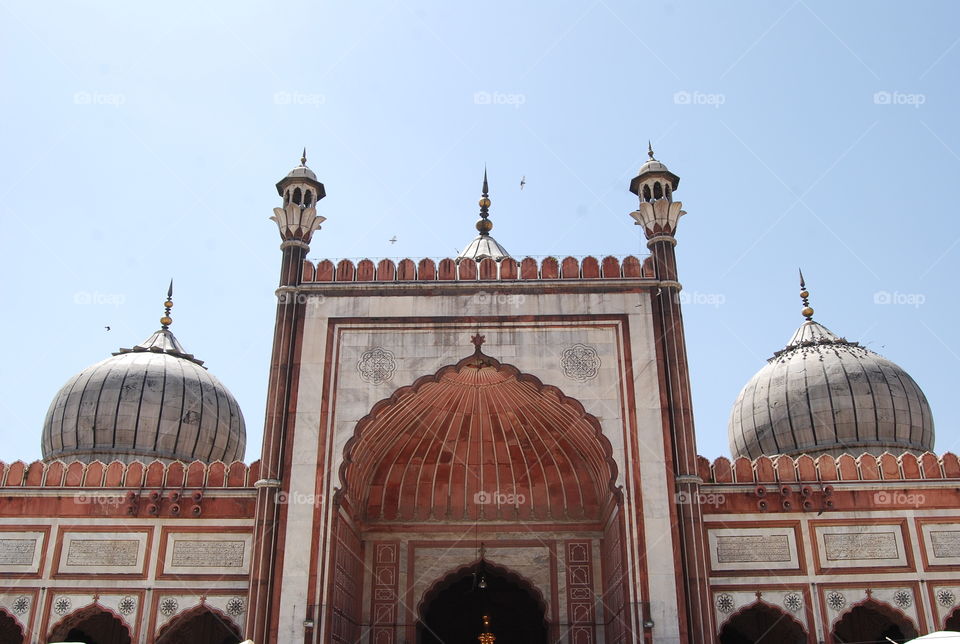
199, 625
454, 611
872, 622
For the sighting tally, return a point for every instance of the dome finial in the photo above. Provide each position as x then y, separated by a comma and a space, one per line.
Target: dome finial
303, 157
807, 312
166, 320
650, 150
484, 225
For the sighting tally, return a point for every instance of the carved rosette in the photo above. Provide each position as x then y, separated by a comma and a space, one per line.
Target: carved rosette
297, 223
659, 217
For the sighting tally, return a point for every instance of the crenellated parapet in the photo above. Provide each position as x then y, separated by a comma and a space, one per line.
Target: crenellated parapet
467, 270
827, 468
117, 474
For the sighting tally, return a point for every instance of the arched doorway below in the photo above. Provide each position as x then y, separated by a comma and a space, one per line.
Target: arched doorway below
873, 623
199, 625
10, 630
762, 624
953, 621
454, 610
91, 626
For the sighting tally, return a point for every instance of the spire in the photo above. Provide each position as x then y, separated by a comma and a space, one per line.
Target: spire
650, 150
303, 158
484, 225
807, 312
166, 320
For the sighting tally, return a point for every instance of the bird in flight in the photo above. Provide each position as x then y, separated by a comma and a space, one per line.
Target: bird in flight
107, 328
523, 181
393, 240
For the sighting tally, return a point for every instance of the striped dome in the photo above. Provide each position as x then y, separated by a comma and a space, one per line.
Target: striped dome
825, 395
154, 401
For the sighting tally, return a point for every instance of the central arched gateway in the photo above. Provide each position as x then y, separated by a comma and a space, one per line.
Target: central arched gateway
453, 610
475, 457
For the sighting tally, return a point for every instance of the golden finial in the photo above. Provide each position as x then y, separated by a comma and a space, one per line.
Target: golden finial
484, 225
166, 320
807, 312
303, 158
650, 150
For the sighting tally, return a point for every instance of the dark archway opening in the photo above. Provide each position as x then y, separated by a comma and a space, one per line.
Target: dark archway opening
94, 627
871, 623
953, 621
9, 629
201, 626
455, 612
762, 624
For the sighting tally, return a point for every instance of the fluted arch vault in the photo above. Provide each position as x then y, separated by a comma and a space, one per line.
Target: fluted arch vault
477, 439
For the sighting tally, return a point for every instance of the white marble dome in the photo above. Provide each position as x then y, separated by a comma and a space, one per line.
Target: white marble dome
825, 395
154, 401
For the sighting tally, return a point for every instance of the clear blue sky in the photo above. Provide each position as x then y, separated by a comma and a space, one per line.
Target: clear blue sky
142, 141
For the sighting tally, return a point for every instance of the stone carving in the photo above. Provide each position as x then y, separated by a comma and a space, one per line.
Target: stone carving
168, 606
235, 606
793, 602
127, 605
946, 543
580, 362
377, 365
903, 599
836, 601
753, 548
62, 605
946, 598
103, 552
17, 552
857, 546
207, 554
725, 603
21, 605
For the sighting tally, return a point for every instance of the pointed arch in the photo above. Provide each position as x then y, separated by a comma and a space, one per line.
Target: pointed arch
871, 620
109, 627
201, 623
952, 622
762, 623
478, 438
10, 628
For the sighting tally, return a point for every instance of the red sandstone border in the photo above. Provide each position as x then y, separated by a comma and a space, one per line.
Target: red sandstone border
826, 468
40, 474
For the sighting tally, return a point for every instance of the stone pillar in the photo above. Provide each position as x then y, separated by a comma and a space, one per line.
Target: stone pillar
297, 223
659, 219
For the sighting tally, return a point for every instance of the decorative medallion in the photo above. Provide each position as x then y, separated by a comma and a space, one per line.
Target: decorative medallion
793, 602
946, 598
127, 605
836, 601
21, 605
62, 605
377, 365
168, 606
235, 606
725, 603
580, 362
903, 599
